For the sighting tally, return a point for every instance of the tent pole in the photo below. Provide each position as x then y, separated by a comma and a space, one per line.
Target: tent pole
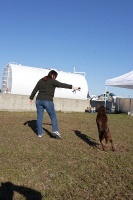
129, 106
105, 97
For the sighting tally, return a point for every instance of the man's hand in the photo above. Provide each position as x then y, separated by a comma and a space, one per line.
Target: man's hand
30, 102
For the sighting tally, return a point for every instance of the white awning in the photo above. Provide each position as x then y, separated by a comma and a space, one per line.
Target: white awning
124, 81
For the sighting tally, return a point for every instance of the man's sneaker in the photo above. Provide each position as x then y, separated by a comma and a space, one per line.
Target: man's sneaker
39, 135
57, 135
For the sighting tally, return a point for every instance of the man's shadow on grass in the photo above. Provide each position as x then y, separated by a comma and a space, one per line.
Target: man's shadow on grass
32, 125
48, 133
86, 138
7, 190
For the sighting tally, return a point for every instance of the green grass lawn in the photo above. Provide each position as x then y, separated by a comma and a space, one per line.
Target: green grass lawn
73, 168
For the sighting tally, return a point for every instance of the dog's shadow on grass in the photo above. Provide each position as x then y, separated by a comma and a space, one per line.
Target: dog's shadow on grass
7, 190
86, 138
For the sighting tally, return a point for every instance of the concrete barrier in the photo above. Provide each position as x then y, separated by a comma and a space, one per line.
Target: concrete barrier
124, 105
15, 102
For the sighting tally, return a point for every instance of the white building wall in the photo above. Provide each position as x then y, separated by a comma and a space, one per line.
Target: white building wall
22, 79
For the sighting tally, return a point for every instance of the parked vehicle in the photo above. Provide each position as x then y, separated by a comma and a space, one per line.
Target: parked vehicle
111, 97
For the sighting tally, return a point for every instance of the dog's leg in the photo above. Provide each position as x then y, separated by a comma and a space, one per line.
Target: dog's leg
101, 137
102, 145
112, 144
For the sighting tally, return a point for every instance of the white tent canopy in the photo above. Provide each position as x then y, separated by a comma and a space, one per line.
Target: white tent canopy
124, 81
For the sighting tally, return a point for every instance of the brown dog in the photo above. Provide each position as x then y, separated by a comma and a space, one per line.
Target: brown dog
102, 125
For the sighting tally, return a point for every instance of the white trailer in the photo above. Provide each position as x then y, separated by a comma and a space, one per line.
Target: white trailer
19, 79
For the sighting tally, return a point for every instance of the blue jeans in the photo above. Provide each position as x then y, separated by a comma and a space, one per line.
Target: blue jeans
49, 106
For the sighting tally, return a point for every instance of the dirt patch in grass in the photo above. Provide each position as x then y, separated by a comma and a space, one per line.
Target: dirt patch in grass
74, 167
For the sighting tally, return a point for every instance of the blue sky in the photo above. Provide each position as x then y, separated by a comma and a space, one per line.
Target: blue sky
95, 36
